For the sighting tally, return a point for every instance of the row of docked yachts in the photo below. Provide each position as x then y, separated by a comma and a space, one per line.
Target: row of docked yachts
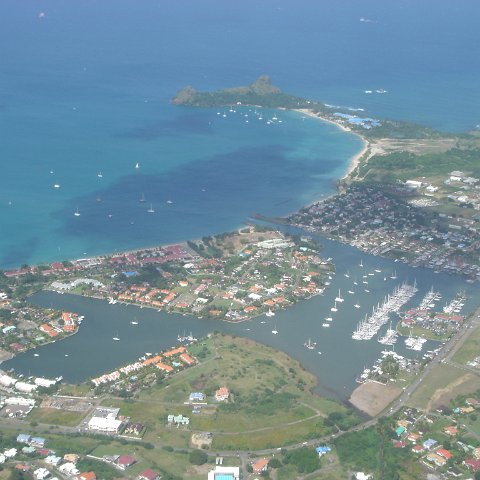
369, 326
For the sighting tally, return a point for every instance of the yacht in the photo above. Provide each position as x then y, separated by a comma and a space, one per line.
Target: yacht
328, 319
351, 292
357, 305
57, 185
326, 325
270, 313
100, 175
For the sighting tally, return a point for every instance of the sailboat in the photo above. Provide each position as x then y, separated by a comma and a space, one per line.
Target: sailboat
151, 210
100, 175
134, 321
309, 344
142, 198
339, 298
116, 337
347, 274
275, 331
334, 308
357, 305
361, 263
394, 276
270, 313
137, 165
77, 213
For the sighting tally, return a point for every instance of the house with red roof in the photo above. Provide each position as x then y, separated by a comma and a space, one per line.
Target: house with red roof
125, 461
148, 474
472, 464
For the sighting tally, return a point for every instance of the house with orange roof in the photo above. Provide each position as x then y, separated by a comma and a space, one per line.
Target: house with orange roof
444, 453
222, 394
260, 466
152, 360
87, 476
451, 430
175, 351
164, 367
187, 359
250, 308
46, 328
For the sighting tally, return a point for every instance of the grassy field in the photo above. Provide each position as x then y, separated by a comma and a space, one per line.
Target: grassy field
271, 402
470, 349
443, 384
54, 416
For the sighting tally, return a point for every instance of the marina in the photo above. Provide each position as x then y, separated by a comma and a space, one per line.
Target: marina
286, 331
369, 327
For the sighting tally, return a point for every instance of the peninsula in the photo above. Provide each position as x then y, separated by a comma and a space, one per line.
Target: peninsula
412, 194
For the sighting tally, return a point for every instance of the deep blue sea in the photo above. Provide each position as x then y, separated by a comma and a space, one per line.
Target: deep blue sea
85, 89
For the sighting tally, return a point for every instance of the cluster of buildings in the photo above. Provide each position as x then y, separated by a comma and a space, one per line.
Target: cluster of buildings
166, 362
12, 384
441, 448
44, 464
384, 223
262, 276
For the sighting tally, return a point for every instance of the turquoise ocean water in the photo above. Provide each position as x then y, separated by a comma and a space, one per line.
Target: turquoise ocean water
85, 89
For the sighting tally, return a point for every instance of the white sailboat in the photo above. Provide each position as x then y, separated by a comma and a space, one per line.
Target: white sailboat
142, 198
339, 298
334, 308
309, 344
357, 305
77, 213
116, 337
151, 210
361, 263
100, 175
137, 165
270, 313
275, 331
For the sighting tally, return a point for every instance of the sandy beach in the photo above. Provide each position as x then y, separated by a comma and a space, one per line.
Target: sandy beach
354, 161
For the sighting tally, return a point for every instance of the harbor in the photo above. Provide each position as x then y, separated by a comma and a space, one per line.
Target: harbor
288, 330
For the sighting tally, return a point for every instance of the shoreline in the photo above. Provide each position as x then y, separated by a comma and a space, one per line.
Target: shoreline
355, 159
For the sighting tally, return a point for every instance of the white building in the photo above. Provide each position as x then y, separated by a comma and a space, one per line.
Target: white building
44, 382
106, 425
25, 387
41, 473
224, 473
6, 381
10, 453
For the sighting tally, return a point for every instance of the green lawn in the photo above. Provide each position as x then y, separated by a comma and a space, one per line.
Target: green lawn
54, 416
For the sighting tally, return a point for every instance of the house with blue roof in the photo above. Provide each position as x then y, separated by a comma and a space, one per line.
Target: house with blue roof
23, 438
428, 444
38, 442
323, 450
196, 397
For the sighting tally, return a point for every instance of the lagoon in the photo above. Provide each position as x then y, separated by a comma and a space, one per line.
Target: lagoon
92, 351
